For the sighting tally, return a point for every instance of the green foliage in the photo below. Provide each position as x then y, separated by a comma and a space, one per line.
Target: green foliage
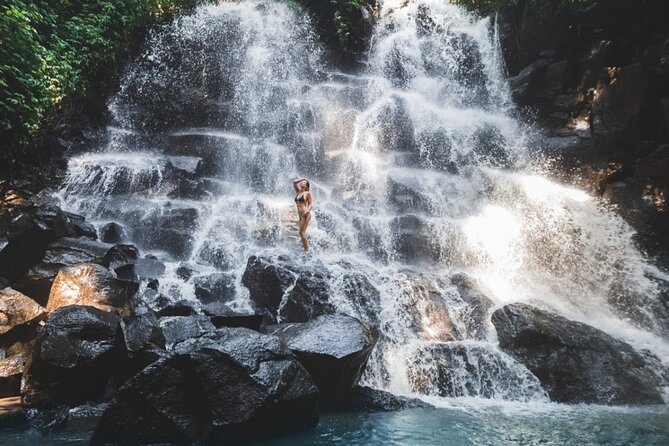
50, 50
344, 10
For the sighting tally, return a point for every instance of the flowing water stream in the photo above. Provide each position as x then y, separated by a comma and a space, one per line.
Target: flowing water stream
420, 172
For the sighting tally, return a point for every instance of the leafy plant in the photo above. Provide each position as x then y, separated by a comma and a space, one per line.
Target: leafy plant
51, 52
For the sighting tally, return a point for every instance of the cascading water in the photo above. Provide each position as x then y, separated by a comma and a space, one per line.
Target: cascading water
419, 170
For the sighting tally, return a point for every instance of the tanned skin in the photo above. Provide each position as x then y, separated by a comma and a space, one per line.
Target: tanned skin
304, 202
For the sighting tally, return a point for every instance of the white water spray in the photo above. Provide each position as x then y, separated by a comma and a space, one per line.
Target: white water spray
419, 172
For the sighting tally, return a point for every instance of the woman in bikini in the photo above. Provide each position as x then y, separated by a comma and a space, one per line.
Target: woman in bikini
304, 203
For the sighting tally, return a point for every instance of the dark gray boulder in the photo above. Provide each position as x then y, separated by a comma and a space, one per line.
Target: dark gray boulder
179, 328
575, 362
227, 385
37, 282
119, 256
223, 316
73, 358
267, 282
374, 400
286, 291
114, 233
333, 348
29, 231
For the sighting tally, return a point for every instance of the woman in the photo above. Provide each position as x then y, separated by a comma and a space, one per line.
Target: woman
304, 203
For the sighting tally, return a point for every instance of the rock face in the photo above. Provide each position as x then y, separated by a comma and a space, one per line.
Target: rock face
575, 362
290, 292
90, 284
16, 309
595, 78
333, 348
73, 358
229, 384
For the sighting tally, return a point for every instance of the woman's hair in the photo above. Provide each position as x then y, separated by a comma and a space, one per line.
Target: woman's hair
308, 185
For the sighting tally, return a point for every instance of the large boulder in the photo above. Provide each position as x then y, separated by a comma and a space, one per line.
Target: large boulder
290, 292
333, 348
73, 358
16, 310
374, 400
267, 282
90, 284
285, 291
575, 362
37, 282
29, 229
179, 328
226, 385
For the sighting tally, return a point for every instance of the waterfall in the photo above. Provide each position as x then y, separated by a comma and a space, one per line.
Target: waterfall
428, 194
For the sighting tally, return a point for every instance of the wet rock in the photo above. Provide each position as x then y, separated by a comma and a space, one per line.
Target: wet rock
147, 268
181, 307
475, 314
90, 284
267, 282
395, 126
114, 233
374, 400
11, 370
427, 310
185, 166
434, 149
489, 146
37, 282
333, 348
73, 358
527, 83
223, 316
308, 298
48, 419
142, 332
406, 194
189, 189
575, 362
179, 328
169, 230
29, 232
412, 239
463, 369
119, 256
216, 287
16, 310
150, 299
620, 98
227, 385
362, 295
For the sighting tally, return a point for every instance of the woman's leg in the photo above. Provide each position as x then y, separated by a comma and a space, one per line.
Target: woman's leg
304, 222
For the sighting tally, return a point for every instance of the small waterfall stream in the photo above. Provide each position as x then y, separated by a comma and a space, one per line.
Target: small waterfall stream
427, 192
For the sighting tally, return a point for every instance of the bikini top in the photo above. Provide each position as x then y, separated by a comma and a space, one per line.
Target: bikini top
301, 199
